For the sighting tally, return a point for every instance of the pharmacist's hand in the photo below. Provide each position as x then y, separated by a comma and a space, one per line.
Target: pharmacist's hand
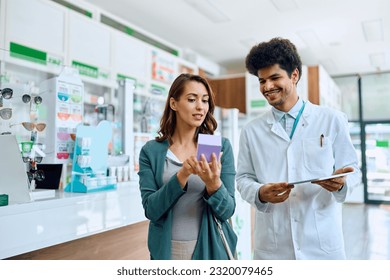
275, 192
190, 166
210, 172
335, 184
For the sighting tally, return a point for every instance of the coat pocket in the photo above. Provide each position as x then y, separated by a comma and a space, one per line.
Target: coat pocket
329, 231
318, 154
265, 232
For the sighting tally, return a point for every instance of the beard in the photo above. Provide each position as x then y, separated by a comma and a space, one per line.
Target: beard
278, 97
275, 97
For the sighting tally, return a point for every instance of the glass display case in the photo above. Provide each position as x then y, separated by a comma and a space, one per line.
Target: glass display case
378, 161
142, 105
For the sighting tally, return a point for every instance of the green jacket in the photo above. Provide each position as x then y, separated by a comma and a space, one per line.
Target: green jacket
158, 200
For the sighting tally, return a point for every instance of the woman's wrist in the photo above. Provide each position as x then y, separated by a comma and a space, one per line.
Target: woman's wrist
213, 187
182, 177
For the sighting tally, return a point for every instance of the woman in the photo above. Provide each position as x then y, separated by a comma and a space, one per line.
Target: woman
180, 194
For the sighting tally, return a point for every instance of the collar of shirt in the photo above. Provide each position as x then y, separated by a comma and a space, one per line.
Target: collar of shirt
293, 111
172, 156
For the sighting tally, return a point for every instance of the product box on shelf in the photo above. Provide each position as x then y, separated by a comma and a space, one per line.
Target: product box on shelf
90, 158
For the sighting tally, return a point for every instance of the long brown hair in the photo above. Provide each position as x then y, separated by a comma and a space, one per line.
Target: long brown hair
168, 119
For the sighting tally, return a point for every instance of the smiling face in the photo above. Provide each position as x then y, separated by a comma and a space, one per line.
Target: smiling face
277, 87
192, 106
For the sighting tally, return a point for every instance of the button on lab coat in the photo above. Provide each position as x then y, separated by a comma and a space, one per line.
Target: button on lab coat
308, 225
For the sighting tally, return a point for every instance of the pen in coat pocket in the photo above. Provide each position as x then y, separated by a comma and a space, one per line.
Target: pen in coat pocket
321, 139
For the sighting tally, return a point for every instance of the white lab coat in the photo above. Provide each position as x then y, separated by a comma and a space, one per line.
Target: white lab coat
308, 225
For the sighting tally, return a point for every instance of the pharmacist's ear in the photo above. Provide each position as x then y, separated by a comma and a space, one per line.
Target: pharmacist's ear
295, 76
172, 103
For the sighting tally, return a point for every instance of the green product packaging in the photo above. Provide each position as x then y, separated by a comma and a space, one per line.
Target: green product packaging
3, 199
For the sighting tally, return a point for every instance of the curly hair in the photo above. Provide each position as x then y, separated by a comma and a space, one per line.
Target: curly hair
168, 119
276, 51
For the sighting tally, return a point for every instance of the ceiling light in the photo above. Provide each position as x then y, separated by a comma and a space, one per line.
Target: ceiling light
310, 38
377, 59
284, 5
373, 30
209, 10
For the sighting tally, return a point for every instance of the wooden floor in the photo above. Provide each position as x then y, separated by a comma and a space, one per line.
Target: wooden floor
366, 233
125, 243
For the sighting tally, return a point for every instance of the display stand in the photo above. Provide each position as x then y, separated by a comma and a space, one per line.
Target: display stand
64, 111
89, 170
13, 177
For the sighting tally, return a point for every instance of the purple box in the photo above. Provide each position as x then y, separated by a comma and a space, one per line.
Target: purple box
208, 144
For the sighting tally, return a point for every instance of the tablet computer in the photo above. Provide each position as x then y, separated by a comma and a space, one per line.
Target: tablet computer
321, 178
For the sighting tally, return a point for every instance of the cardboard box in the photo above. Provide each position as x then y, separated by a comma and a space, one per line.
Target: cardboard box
208, 144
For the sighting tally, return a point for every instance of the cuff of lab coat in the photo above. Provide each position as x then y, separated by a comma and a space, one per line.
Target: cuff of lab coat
261, 206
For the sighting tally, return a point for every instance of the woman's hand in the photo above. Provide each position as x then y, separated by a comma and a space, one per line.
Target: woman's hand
190, 166
210, 172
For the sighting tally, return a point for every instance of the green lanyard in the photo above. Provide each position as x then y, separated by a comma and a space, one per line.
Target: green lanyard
297, 120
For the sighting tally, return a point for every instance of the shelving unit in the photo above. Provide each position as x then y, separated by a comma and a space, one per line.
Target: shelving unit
102, 53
